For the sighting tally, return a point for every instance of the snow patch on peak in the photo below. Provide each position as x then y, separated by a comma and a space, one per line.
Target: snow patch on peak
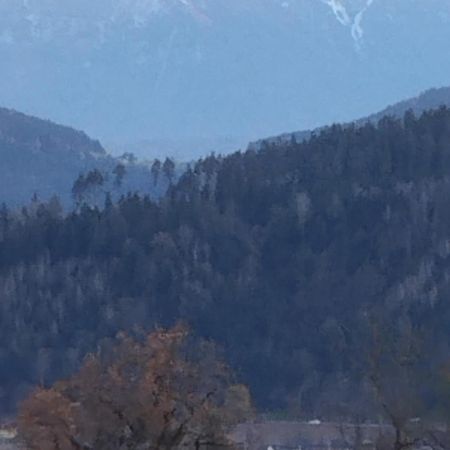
357, 29
353, 22
142, 11
339, 11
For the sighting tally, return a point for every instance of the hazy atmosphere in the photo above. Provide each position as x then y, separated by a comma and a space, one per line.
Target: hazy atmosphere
188, 77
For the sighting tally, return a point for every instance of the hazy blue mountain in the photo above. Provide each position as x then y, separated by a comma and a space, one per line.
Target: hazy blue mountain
38, 157
42, 158
430, 99
176, 73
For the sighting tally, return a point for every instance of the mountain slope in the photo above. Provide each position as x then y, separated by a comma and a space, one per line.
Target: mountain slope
38, 157
428, 100
197, 71
285, 257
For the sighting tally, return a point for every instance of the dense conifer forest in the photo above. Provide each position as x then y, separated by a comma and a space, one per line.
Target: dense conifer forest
305, 262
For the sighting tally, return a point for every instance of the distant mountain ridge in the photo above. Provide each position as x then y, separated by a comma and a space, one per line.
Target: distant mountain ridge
39, 157
43, 159
43, 135
169, 70
430, 99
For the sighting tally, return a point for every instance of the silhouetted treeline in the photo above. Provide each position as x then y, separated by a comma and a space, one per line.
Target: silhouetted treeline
289, 258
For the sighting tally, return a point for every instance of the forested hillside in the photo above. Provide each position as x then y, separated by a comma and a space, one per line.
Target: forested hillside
40, 158
291, 258
430, 99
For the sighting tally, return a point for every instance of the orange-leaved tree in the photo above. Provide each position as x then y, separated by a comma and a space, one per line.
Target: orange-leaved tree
165, 392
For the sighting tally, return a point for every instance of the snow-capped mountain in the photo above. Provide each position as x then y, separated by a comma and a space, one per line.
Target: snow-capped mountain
190, 71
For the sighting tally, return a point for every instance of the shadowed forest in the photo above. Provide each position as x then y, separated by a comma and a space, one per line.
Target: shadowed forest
321, 269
